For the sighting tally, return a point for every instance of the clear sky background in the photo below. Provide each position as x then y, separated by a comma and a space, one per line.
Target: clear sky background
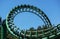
50, 7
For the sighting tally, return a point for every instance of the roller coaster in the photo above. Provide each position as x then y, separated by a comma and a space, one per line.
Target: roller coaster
7, 26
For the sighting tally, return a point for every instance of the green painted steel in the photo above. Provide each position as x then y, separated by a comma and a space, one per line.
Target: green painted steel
49, 32
1, 32
25, 8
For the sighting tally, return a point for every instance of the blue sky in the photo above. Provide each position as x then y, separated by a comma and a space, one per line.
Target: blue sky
50, 7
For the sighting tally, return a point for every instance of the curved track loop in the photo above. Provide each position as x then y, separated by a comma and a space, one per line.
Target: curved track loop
25, 8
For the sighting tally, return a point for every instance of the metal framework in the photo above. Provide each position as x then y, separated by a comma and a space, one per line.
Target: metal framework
25, 8
1, 29
45, 33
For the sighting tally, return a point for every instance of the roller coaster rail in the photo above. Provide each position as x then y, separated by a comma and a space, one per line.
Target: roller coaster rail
47, 32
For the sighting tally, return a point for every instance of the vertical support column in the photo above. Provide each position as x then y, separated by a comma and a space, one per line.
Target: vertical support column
37, 34
1, 37
4, 29
30, 34
43, 32
1, 29
20, 36
24, 34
